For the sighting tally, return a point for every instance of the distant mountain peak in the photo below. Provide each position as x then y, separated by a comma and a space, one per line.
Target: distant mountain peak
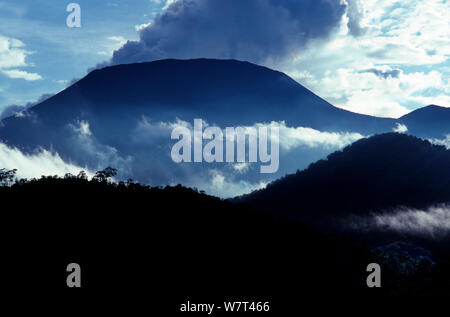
427, 109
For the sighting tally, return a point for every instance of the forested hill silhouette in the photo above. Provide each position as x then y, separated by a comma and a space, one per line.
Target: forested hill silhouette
131, 239
375, 174
162, 244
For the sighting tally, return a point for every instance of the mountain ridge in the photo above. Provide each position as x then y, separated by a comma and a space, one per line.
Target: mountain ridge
126, 111
376, 174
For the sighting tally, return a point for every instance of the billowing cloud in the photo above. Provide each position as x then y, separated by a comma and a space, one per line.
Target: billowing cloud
289, 137
354, 13
13, 55
42, 162
445, 142
221, 186
397, 63
433, 222
148, 131
400, 128
231, 179
380, 91
97, 155
255, 31
292, 137
114, 42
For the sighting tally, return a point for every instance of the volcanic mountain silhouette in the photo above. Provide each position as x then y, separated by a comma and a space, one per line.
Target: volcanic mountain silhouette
121, 110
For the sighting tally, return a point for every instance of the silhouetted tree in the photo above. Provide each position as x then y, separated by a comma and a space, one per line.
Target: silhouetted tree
103, 175
82, 175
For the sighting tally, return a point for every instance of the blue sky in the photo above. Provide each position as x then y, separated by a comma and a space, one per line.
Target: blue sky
380, 57
45, 54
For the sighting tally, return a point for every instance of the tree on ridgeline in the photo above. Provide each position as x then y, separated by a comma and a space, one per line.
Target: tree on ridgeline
103, 175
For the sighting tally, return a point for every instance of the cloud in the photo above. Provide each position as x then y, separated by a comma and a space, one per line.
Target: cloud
290, 137
42, 162
230, 179
241, 167
95, 154
379, 91
293, 137
400, 128
434, 222
354, 14
148, 131
385, 72
12, 110
142, 26
445, 142
399, 62
15, 73
114, 42
255, 31
220, 186
12, 55
168, 3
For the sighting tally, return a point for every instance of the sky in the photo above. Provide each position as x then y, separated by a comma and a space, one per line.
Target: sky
378, 57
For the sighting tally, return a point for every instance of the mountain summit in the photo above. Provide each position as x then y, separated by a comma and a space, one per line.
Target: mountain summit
121, 116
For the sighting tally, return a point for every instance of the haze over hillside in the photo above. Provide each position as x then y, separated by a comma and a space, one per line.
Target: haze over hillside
376, 175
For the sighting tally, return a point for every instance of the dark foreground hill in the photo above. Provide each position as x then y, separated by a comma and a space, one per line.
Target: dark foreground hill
377, 174
165, 246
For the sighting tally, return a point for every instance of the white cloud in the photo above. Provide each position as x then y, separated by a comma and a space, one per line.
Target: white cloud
241, 167
220, 186
374, 91
410, 39
42, 162
142, 26
292, 137
445, 142
168, 3
81, 127
441, 100
12, 55
97, 154
113, 43
15, 74
400, 128
148, 131
433, 222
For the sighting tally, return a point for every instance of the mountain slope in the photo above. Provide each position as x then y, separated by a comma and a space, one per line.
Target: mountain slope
224, 92
430, 121
181, 239
375, 174
122, 116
